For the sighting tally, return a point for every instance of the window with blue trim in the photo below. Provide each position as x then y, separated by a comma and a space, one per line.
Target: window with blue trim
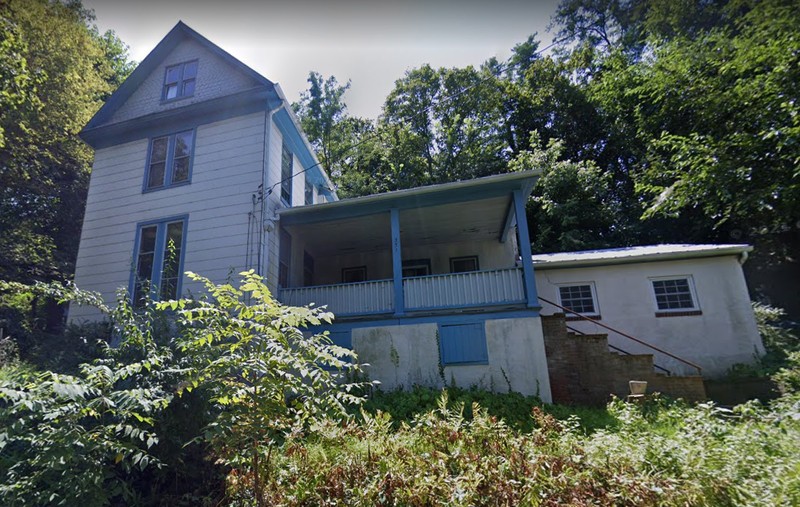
170, 160
463, 344
179, 80
158, 260
287, 160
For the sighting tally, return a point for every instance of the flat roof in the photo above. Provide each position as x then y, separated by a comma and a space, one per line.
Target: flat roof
635, 254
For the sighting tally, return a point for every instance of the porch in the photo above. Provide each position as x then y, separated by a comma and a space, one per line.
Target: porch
433, 249
500, 287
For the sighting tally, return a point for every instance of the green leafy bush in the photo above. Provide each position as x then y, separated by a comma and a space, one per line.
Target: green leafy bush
245, 375
513, 408
267, 377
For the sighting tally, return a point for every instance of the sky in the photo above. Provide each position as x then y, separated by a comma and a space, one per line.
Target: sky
371, 43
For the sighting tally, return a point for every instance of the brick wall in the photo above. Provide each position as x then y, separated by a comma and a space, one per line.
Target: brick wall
583, 371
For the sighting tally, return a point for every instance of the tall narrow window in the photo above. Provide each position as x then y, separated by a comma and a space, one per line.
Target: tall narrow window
170, 160
309, 195
308, 269
286, 176
284, 256
158, 261
179, 80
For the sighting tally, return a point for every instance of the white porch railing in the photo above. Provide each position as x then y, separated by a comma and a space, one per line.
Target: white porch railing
374, 296
455, 290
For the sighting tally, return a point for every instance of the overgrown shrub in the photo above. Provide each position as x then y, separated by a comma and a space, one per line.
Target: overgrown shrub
245, 375
513, 408
779, 341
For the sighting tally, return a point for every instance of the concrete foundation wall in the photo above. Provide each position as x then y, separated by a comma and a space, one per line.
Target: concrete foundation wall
404, 355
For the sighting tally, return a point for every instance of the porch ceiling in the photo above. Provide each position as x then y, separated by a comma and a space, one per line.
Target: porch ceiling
369, 233
451, 223
476, 220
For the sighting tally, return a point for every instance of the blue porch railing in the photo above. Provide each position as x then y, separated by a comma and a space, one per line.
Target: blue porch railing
433, 292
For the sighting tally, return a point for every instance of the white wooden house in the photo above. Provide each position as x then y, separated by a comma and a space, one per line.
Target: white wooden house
201, 166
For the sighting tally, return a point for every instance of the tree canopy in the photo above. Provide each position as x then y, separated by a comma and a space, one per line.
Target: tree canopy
57, 69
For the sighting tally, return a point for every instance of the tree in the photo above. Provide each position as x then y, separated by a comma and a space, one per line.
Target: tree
59, 72
571, 207
322, 111
266, 376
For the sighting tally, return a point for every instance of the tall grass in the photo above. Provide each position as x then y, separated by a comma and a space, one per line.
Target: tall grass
659, 453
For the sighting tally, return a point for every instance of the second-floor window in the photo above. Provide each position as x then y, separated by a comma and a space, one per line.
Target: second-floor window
170, 160
286, 175
179, 80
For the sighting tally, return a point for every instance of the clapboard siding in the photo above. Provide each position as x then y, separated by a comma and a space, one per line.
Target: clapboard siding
215, 78
226, 171
234, 185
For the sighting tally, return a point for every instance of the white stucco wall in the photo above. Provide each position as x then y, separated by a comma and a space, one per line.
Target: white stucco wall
725, 333
401, 356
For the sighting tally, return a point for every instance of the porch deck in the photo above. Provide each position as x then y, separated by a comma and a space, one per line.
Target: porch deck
420, 293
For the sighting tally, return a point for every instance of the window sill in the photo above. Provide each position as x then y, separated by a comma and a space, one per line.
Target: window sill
685, 313
176, 99
166, 187
470, 363
570, 318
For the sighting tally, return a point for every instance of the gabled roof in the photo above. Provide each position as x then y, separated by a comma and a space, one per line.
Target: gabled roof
634, 254
152, 61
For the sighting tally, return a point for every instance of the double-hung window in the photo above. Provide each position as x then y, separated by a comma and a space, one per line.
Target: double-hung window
286, 175
169, 162
579, 298
674, 295
284, 258
309, 193
464, 264
179, 80
159, 260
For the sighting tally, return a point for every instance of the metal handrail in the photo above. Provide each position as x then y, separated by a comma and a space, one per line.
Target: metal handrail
657, 366
584, 317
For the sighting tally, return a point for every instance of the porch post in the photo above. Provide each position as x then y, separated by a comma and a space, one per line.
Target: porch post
525, 250
397, 264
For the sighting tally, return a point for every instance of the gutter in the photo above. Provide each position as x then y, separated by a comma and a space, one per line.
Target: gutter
739, 250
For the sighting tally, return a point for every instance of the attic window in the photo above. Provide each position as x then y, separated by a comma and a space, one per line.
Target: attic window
179, 80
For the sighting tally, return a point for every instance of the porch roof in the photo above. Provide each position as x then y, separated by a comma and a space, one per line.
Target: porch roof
501, 185
472, 210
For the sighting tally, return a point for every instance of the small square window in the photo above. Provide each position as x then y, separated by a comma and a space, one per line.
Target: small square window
354, 275
579, 298
674, 294
416, 267
179, 80
464, 264
463, 344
